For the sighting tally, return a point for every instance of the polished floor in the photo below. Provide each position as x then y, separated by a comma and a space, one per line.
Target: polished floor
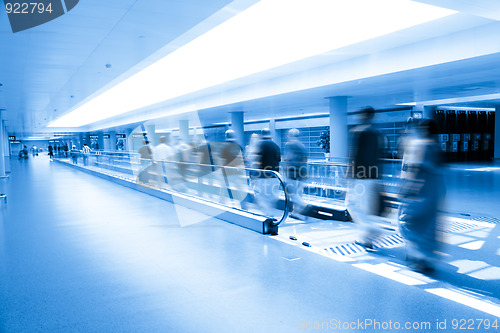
80, 254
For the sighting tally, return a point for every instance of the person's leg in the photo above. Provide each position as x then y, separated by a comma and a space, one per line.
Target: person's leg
264, 195
360, 205
291, 191
299, 199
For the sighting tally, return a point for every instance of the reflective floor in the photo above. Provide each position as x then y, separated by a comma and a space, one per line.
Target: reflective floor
80, 254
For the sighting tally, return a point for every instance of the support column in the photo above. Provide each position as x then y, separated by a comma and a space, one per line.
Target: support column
3, 137
129, 139
112, 141
100, 140
339, 149
427, 110
2, 145
184, 130
238, 126
6, 146
151, 134
497, 133
83, 138
274, 132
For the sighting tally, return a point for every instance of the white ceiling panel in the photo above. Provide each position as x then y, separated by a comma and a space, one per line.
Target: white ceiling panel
41, 68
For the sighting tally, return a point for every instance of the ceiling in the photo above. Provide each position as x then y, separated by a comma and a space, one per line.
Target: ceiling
48, 69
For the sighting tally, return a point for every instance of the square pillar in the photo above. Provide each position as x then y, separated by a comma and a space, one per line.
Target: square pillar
274, 132
128, 140
151, 134
238, 126
111, 141
2, 145
6, 146
339, 146
496, 146
100, 140
426, 110
184, 130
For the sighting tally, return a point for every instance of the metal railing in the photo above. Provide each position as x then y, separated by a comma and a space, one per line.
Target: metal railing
189, 178
326, 181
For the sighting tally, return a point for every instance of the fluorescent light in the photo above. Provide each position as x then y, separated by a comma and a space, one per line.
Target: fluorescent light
453, 100
269, 34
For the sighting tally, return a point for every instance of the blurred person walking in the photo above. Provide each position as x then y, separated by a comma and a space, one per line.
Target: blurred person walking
251, 151
404, 151
51, 152
146, 172
85, 154
422, 193
251, 161
232, 162
145, 154
268, 158
162, 153
23, 153
206, 169
183, 155
74, 154
364, 201
295, 159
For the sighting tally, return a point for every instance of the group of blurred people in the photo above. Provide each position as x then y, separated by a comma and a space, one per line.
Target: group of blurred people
224, 163
58, 151
236, 171
61, 151
421, 192
24, 152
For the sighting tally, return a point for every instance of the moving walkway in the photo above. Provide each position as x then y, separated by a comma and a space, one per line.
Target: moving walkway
217, 189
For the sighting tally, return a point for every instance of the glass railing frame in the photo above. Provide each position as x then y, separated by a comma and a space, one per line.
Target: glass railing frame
214, 167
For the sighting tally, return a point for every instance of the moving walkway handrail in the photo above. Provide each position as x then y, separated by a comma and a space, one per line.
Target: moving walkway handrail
274, 222
286, 209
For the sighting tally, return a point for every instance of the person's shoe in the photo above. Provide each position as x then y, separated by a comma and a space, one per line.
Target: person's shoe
368, 246
424, 267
